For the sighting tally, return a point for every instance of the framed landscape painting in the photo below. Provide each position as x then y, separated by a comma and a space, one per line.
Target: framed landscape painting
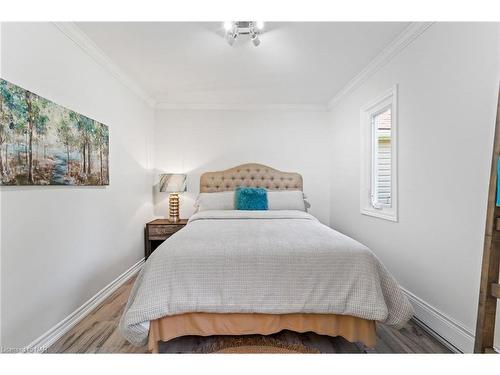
43, 143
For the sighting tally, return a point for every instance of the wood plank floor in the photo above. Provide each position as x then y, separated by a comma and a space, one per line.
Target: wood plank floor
98, 333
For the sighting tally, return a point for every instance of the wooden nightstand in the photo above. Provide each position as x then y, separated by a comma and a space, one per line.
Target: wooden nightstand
159, 230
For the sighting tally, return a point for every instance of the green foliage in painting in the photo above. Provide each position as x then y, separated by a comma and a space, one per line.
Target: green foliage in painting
42, 143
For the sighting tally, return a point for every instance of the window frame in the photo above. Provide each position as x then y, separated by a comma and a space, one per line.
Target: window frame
376, 106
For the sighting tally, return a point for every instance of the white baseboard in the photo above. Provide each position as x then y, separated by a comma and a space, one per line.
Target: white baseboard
448, 331
52, 335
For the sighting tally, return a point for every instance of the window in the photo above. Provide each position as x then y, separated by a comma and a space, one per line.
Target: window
379, 157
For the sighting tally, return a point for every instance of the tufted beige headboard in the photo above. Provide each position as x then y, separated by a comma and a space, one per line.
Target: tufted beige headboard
255, 175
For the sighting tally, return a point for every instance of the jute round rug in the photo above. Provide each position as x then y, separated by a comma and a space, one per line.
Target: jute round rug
254, 345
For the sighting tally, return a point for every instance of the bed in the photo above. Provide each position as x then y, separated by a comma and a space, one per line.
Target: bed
234, 272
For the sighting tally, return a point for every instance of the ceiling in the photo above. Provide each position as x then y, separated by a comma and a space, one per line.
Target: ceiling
190, 63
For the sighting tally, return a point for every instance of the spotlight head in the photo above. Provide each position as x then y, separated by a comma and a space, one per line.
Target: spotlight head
228, 25
259, 25
254, 37
231, 38
255, 40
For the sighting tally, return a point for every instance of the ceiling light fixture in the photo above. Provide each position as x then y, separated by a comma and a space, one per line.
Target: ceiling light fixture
236, 28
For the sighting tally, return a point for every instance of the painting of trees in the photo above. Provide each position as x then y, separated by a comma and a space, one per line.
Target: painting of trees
42, 143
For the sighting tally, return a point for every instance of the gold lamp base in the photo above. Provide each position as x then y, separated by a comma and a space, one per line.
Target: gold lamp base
173, 204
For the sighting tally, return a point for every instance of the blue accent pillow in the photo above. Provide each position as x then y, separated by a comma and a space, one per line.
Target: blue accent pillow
250, 199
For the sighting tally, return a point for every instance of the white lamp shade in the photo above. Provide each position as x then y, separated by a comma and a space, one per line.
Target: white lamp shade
172, 183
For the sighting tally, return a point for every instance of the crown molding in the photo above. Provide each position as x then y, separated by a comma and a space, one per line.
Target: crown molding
403, 40
412, 32
240, 107
73, 32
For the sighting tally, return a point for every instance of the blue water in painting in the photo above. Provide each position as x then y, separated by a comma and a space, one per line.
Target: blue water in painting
58, 176
60, 168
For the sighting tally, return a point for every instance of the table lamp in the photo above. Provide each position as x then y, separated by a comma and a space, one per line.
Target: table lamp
174, 184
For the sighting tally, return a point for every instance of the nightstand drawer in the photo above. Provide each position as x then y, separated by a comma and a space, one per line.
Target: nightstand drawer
161, 231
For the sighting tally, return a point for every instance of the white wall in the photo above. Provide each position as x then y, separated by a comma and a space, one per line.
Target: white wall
448, 85
195, 141
61, 245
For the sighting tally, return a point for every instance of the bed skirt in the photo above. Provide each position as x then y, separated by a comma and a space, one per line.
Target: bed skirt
349, 327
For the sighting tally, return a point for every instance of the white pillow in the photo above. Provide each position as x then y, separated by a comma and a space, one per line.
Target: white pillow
286, 200
223, 200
